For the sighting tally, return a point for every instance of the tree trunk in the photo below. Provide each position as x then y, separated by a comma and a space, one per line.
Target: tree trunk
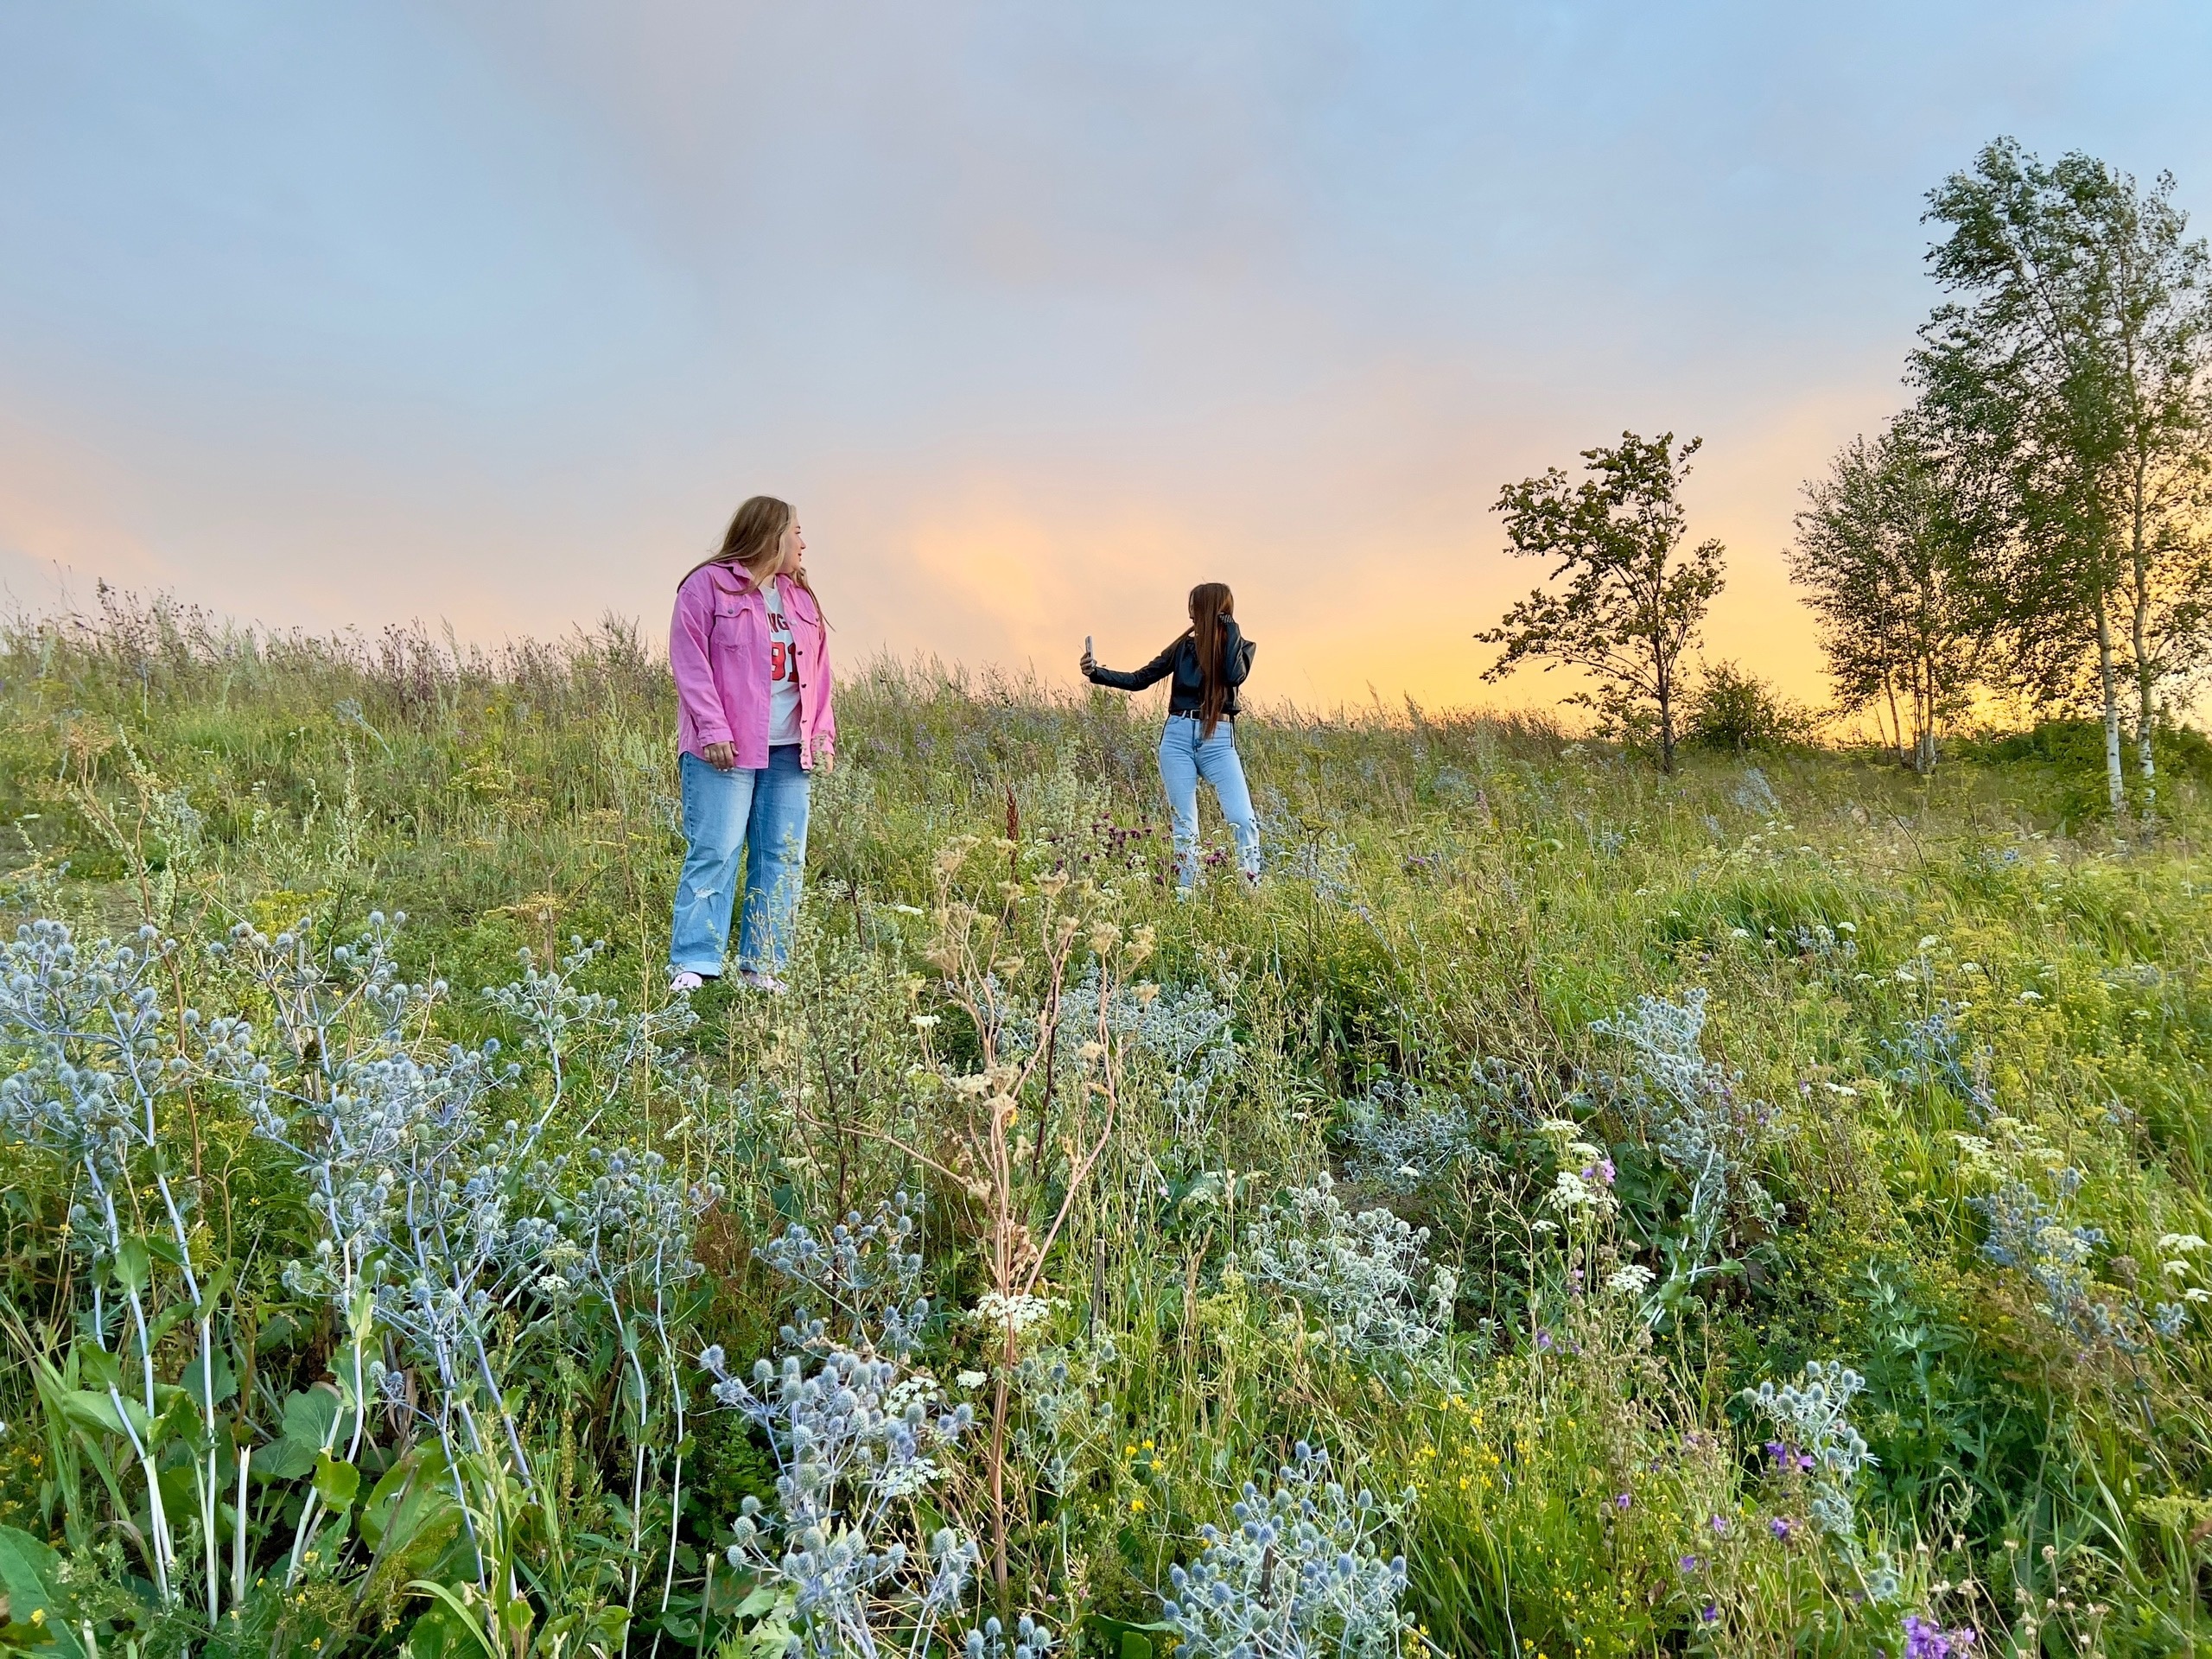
1924, 721
2108, 682
2145, 676
1666, 725
1897, 721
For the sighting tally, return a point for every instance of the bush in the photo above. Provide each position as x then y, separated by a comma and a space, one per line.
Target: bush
1731, 711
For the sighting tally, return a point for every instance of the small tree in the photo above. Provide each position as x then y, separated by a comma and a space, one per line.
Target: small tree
1887, 545
1631, 601
2075, 367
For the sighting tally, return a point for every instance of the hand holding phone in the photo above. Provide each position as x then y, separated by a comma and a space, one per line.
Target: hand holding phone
1088, 661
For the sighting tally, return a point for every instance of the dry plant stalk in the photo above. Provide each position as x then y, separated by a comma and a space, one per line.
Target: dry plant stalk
981, 1148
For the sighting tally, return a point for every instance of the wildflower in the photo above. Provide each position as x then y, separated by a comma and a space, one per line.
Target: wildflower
969, 1379
1780, 1527
1364, 1274
1622, 1501
1719, 1523
1688, 1563
1710, 1613
1632, 1280
1923, 1640
1298, 1572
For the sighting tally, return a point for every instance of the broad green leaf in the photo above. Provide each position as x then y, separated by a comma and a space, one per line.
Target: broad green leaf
770, 1634
133, 1264
82, 1408
99, 1368
409, 1518
285, 1459
27, 1568
179, 1419
311, 1418
336, 1481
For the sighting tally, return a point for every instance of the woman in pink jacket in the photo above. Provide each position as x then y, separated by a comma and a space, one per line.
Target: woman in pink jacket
751, 654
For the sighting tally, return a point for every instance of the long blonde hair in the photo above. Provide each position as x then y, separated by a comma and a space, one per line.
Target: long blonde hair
753, 543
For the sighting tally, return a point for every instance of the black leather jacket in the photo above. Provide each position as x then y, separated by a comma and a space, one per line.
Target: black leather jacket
1181, 659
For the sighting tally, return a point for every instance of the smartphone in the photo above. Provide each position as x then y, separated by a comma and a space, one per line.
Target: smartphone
1086, 646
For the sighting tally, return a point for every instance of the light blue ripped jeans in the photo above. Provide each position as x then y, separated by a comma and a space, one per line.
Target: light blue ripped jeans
743, 823
1186, 757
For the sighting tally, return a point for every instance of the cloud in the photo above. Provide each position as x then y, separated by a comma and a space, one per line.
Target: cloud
492, 313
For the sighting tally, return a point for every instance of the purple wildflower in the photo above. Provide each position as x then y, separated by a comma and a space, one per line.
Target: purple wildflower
1544, 1340
1602, 1172
1721, 1523
1689, 1563
1923, 1640
1780, 1527
1622, 1502
1711, 1615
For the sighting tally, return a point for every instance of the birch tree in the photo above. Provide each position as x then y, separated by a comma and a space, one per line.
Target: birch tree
1885, 548
2073, 366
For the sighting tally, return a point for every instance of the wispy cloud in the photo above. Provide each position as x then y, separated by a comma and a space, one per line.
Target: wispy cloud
1041, 313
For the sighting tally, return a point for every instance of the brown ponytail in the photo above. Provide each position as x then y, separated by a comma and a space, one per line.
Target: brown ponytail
1209, 602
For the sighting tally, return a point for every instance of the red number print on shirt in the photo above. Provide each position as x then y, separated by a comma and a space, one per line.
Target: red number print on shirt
783, 654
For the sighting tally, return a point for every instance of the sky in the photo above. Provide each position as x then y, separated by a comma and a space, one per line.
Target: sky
488, 313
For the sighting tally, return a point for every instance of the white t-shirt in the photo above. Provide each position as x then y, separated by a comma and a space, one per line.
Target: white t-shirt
783, 670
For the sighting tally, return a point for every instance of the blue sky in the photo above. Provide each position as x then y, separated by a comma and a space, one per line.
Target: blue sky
491, 312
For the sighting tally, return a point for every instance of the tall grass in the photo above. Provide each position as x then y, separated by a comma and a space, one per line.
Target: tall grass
1926, 1001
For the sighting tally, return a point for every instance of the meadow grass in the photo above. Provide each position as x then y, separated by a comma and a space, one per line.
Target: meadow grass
1945, 1124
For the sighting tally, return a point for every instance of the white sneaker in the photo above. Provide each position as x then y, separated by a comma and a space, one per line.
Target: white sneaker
686, 980
761, 981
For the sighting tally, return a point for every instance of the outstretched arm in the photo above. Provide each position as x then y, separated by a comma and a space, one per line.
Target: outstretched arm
1151, 674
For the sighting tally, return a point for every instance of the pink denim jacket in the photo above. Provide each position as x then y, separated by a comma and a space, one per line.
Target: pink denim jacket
718, 647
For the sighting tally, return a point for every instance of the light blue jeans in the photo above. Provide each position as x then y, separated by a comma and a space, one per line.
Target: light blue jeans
1186, 757
747, 818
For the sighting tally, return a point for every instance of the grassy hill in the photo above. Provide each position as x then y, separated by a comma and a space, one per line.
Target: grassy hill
1535, 1114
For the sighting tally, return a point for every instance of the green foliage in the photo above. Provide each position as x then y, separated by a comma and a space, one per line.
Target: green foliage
2070, 374
1919, 996
1737, 713
1886, 549
1632, 603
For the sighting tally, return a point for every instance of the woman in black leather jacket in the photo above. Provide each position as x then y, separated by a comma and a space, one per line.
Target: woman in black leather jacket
1208, 663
